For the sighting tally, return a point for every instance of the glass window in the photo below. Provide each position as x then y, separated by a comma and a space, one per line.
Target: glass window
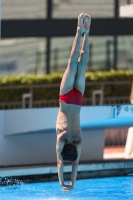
60, 51
101, 51
24, 55
72, 8
23, 9
125, 52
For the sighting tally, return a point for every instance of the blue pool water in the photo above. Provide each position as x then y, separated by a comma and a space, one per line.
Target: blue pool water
116, 188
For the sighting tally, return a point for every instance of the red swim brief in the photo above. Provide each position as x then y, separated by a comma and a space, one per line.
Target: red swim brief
74, 96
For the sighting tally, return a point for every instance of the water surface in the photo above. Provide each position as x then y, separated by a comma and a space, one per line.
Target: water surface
116, 188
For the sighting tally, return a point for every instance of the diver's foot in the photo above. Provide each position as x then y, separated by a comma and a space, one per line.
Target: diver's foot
87, 22
80, 27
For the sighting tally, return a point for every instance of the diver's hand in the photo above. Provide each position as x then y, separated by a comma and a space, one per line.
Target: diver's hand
67, 187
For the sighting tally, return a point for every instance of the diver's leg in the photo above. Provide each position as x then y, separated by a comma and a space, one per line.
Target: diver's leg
84, 56
67, 82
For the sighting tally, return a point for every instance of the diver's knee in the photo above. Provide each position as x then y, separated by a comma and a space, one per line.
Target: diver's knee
74, 58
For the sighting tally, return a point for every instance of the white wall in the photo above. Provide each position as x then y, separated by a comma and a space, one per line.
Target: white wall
24, 142
35, 120
29, 120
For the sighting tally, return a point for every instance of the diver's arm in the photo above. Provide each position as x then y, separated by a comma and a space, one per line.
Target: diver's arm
59, 148
75, 165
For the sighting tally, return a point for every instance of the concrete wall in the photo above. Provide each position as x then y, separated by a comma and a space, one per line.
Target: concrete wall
27, 148
24, 141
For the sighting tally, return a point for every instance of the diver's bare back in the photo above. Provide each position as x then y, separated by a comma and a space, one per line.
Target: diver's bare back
68, 123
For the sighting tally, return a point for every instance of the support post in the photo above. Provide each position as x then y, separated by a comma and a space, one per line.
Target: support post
48, 43
115, 52
108, 62
116, 13
90, 56
48, 55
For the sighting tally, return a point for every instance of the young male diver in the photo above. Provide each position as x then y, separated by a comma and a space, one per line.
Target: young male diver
69, 139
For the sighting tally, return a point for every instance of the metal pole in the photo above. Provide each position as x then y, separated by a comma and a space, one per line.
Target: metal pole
49, 9
108, 63
90, 56
55, 59
0, 27
116, 13
116, 3
115, 52
48, 55
48, 43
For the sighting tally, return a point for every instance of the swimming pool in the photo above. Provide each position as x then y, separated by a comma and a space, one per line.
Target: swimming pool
113, 188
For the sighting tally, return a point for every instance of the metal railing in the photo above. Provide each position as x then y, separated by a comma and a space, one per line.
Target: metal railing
27, 100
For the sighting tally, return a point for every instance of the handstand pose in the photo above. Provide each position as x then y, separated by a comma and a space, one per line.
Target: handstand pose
68, 145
